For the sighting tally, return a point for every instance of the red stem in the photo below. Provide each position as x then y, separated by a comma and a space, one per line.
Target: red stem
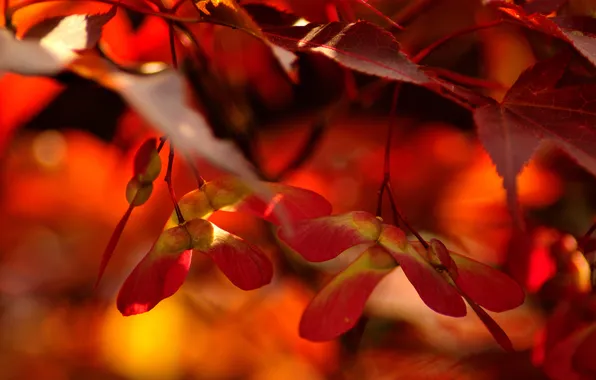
432, 47
379, 13
467, 80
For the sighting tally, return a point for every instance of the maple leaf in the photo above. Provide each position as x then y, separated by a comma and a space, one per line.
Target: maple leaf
349, 44
584, 43
544, 6
534, 110
164, 268
48, 47
443, 279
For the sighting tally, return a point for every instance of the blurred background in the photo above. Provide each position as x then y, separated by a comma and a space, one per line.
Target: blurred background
66, 149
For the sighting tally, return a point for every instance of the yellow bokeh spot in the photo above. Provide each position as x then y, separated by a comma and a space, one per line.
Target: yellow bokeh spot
146, 346
49, 149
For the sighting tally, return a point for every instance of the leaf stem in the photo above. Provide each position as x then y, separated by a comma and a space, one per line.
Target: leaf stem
433, 46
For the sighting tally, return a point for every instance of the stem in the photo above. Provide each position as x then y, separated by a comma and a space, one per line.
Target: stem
387, 156
398, 218
168, 180
379, 13
414, 9
397, 215
171, 32
432, 47
467, 80
162, 141
584, 240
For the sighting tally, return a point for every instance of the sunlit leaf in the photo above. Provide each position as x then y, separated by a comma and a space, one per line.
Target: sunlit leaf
433, 287
164, 268
360, 46
339, 305
50, 46
324, 238
153, 280
488, 287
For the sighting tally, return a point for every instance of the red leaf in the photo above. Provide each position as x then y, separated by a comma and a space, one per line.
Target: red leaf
246, 266
583, 359
152, 280
433, 287
339, 305
544, 6
107, 254
299, 204
495, 330
534, 110
490, 288
324, 238
360, 46
559, 362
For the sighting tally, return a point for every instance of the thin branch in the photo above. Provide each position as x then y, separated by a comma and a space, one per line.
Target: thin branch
397, 215
387, 155
586, 238
168, 180
172, 36
467, 80
398, 218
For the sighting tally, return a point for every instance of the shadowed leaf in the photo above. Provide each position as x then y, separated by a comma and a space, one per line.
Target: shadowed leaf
324, 238
299, 204
534, 110
339, 305
243, 264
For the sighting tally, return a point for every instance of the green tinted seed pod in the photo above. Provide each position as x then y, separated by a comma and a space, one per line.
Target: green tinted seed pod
152, 170
137, 193
202, 233
173, 240
147, 163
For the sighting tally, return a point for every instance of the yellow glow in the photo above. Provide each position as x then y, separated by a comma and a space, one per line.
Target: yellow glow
146, 346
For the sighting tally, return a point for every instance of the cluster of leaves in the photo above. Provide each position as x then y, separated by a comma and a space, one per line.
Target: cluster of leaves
545, 103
